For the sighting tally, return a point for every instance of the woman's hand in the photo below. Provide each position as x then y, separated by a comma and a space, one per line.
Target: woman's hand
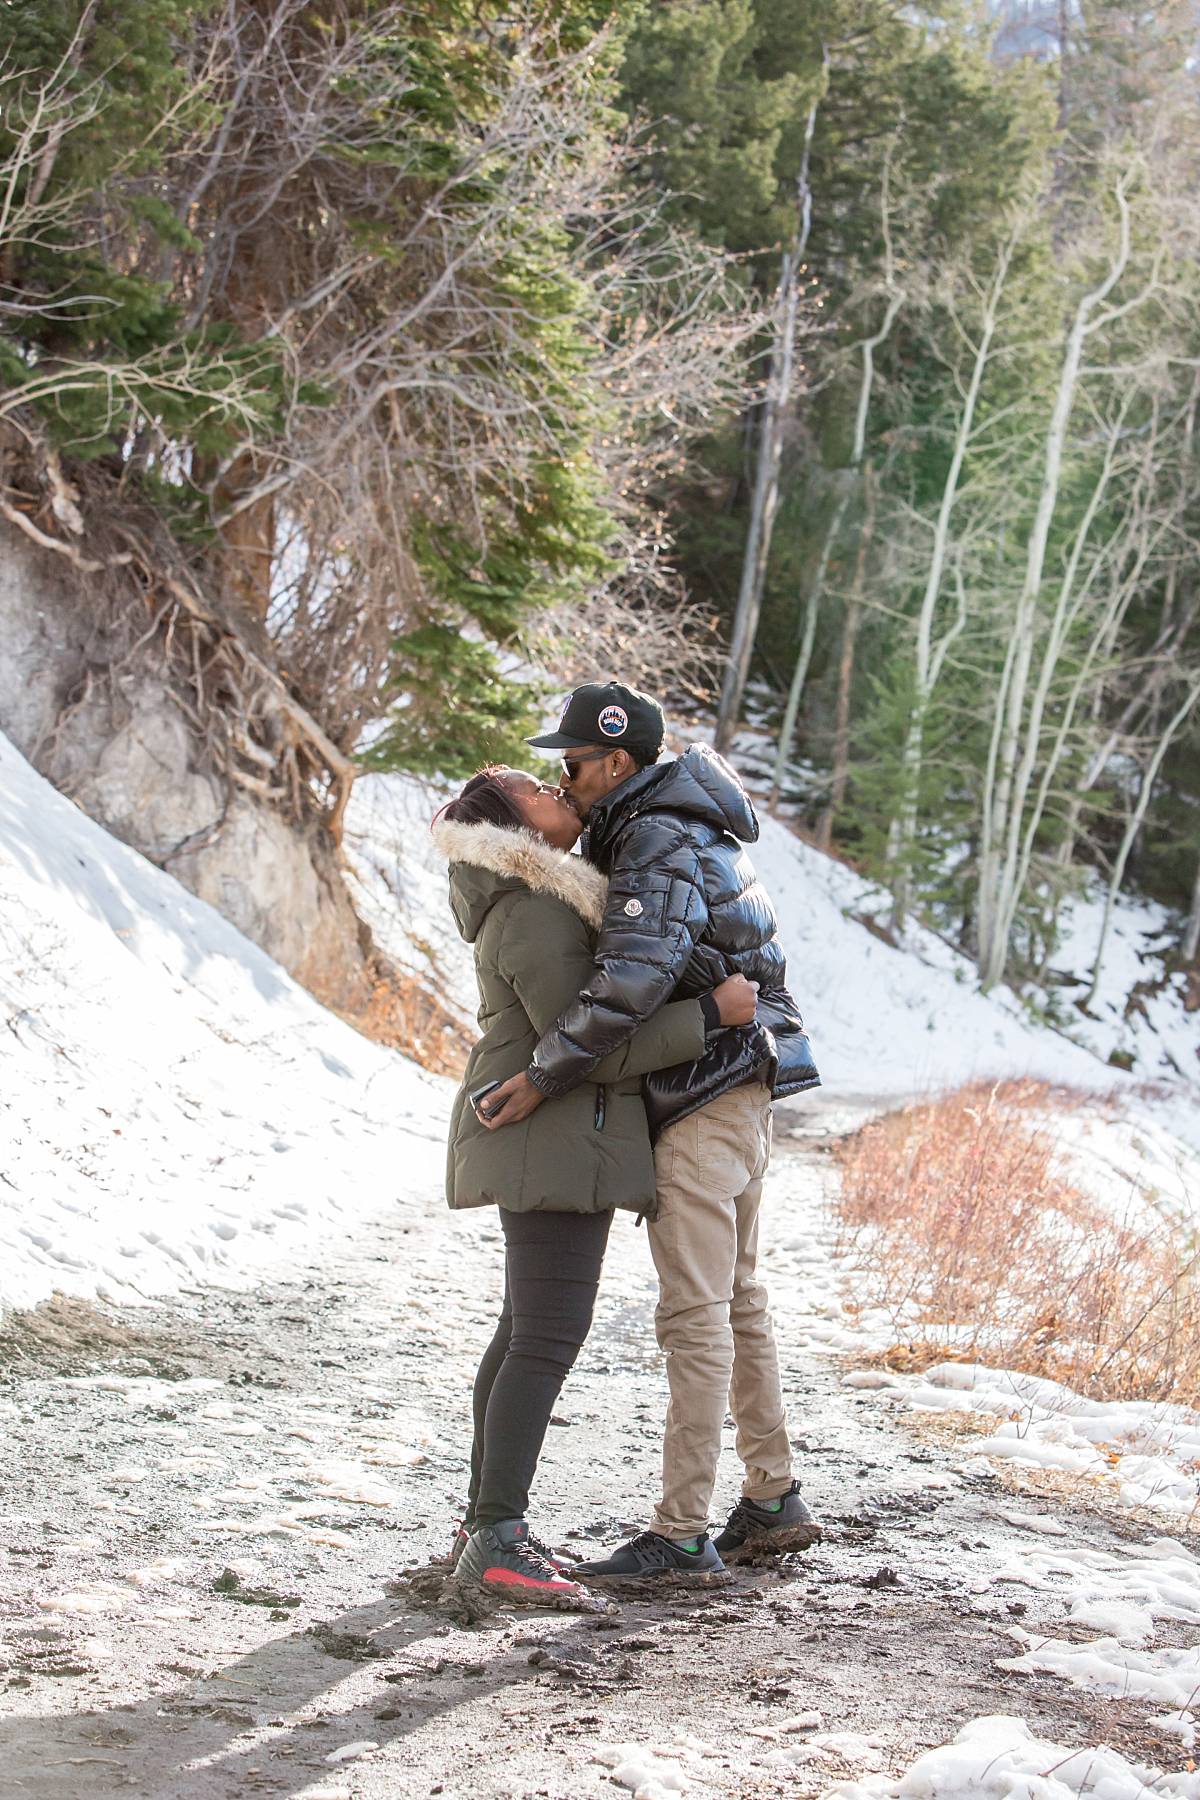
736, 1000
511, 1102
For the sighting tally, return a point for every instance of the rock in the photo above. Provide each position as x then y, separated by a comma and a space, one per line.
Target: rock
105, 728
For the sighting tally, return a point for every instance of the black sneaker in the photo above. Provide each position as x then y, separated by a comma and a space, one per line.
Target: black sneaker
463, 1529
501, 1559
754, 1527
658, 1562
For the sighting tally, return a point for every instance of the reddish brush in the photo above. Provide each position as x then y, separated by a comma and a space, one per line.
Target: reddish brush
407, 1015
960, 1214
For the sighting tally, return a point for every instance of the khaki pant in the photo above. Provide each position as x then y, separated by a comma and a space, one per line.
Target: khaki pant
712, 1320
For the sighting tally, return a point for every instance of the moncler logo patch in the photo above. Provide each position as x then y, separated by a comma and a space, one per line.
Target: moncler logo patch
614, 721
634, 908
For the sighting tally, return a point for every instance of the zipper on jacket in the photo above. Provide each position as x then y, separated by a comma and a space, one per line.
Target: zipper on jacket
599, 1109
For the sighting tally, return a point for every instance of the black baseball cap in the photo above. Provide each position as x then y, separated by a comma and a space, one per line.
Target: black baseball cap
606, 712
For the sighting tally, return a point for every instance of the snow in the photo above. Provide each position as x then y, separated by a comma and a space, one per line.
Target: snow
348, 1752
649, 1774
1133, 1164
1148, 1450
896, 1021
173, 1106
398, 882
1106, 1666
1160, 1036
999, 1758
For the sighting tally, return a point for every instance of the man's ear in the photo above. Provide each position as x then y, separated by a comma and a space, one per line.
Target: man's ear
624, 765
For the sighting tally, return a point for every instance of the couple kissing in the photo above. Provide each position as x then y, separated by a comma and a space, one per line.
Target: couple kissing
636, 1025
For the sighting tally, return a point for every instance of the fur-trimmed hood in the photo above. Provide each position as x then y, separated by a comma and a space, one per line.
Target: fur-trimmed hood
513, 859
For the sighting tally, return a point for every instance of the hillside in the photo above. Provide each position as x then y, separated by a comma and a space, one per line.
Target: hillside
888, 1022
177, 1108
174, 1106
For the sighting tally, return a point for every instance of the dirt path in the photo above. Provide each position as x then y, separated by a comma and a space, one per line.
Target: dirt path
204, 1501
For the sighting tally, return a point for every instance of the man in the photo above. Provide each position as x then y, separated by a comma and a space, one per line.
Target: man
685, 909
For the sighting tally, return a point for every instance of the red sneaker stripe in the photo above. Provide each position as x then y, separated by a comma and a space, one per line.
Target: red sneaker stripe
510, 1577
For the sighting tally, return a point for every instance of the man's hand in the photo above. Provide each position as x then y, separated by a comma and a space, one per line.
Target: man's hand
736, 1000
513, 1101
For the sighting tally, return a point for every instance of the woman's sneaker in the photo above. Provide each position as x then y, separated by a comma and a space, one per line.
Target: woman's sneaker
501, 1559
758, 1527
463, 1529
658, 1562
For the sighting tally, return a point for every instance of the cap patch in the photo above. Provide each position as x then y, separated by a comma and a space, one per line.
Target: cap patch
614, 721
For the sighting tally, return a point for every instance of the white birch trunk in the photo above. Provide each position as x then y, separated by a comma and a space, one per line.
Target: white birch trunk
766, 481
1191, 934
791, 713
928, 662
1133, 825
1002, 825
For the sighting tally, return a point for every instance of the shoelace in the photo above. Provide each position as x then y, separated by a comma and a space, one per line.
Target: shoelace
536, 1544
534, 1553
742, 1519
649, 1541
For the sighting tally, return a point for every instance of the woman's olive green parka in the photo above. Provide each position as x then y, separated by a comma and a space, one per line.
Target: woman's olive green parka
532, 913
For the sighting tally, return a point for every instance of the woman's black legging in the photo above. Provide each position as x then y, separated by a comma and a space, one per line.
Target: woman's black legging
552, 1266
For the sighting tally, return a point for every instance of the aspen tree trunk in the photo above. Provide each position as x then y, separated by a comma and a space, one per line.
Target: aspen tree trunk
791, 713
765, 502
1132, 826
1071, 596
1191, 935
928, 660
840, 773
1002, 821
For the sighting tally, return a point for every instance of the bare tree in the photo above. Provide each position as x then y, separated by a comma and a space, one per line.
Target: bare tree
1133, 824
417, 397
765, 500
1128, 293
849, 478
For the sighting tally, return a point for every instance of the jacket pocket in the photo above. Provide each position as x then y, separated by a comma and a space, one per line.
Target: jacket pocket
640, 908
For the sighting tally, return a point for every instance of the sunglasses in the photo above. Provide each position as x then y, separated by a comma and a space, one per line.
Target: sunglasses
572, 763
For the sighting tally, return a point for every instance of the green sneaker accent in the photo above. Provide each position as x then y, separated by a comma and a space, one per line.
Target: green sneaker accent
771, 1505
692, 1546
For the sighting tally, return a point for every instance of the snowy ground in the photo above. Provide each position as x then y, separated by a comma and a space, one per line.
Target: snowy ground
205, 1505
173, 1107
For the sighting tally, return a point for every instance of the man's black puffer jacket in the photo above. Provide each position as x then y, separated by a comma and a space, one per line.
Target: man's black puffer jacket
685, 909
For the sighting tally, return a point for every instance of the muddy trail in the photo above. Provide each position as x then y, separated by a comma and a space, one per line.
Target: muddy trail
207, 1503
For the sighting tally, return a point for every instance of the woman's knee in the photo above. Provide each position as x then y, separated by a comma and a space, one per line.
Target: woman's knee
546, 1355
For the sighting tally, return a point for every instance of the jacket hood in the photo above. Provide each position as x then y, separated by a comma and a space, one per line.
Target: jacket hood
697, 785
489, 860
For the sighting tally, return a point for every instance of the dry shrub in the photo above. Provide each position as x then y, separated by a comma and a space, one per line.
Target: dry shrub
406, 1015
967, 1229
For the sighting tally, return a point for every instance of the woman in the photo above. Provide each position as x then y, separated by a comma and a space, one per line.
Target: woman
531, 910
